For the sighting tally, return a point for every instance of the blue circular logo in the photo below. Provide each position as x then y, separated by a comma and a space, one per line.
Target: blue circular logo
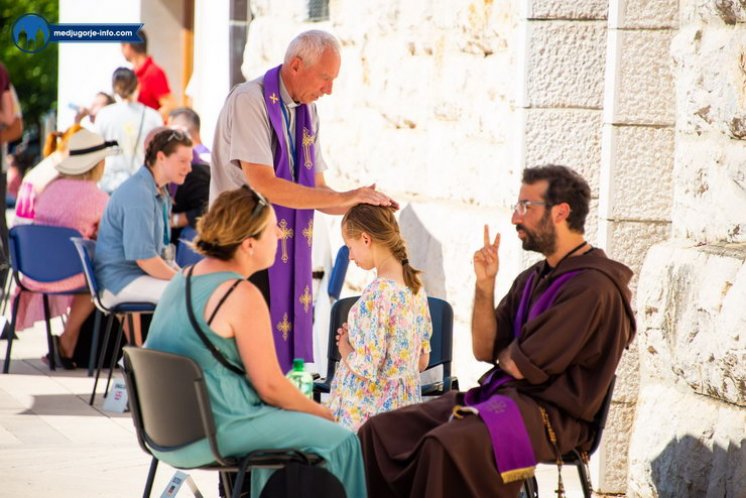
31, 33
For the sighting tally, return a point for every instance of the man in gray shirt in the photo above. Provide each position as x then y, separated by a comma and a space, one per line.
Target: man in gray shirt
267, 136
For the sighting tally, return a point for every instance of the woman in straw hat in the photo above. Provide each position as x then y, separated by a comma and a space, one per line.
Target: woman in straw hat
74, 201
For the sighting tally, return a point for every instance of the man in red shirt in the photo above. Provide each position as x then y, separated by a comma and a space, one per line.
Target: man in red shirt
154, 89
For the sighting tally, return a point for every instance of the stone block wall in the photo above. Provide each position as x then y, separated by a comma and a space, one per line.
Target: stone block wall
688, 436
635, 179
688, 430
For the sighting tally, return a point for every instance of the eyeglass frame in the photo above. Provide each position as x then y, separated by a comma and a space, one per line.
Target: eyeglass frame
521, 207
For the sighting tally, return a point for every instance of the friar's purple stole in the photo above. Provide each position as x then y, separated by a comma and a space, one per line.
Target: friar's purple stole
290, 281
514, 454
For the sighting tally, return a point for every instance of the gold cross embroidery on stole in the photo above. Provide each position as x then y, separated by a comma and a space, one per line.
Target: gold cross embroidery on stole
285, 233
285, 326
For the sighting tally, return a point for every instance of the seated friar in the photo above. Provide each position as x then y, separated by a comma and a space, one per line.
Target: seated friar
555, 341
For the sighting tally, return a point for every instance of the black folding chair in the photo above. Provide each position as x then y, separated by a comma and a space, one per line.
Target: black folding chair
340, 310
171, 408
441, 345
578, 457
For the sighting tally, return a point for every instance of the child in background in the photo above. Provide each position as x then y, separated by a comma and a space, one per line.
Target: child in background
385, 343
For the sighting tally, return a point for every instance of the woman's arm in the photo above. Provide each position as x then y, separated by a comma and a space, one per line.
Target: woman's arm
6, 109
248, 317
156, 267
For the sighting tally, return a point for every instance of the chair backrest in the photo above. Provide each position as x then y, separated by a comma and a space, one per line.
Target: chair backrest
86, 250
339, 271
340, 310
441, 341
185, 255
599, 421
44, 253
168, 400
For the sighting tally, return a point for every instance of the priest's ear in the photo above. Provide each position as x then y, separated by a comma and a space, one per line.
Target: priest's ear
560, 212
296, 64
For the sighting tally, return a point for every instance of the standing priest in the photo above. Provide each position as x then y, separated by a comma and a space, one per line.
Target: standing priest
267, 136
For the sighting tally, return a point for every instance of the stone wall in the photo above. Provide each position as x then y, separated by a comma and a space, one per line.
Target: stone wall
688, 433
635, 180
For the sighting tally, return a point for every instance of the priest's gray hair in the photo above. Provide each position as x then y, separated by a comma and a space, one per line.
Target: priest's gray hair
310, 45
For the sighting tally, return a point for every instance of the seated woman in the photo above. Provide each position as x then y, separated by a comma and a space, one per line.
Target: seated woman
37, 178
261, 409
72, 200
134, 256
385, 343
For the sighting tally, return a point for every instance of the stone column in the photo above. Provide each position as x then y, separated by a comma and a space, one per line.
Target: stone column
563, 60
688, 434
635, 181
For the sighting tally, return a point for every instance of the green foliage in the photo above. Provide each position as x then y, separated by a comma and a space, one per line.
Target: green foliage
33, 75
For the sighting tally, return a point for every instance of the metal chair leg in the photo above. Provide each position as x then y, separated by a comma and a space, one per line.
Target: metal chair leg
7, 286
151, 478
101, 356
585, 478
11, 332
94, 341
238, 485
225, 479
530, 488
118, 343
50, 340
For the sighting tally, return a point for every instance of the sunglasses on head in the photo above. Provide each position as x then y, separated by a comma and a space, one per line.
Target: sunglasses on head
177, 135
259, 199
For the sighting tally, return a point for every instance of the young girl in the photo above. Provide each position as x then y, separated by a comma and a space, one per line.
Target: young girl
385, 343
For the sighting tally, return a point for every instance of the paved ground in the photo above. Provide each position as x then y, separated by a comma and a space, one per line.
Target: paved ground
52, 444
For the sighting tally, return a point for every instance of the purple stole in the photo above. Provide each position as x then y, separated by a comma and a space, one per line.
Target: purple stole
514, 454
290, 281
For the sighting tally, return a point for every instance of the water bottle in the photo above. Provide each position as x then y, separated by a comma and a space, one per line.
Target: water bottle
300, 378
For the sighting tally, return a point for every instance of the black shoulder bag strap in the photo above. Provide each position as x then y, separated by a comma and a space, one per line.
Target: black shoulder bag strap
195, 325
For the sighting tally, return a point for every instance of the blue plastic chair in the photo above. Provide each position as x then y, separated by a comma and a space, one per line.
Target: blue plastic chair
86, 250
44, 254
185, 256
441, 345
339, 271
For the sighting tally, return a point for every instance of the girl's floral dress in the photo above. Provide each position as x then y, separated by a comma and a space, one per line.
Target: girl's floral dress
389, 327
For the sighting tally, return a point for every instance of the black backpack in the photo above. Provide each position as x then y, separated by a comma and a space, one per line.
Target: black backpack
299, 480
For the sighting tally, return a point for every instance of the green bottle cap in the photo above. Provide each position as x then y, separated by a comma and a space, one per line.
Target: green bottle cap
298, 364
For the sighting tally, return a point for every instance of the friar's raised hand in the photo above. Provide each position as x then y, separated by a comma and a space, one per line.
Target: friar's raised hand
486, 259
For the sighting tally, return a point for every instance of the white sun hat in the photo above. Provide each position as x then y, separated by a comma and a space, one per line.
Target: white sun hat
85, 150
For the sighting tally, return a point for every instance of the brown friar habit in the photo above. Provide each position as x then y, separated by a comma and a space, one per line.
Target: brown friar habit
567, 354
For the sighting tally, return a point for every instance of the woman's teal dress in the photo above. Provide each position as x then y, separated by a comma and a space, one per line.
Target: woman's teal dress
244, 423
